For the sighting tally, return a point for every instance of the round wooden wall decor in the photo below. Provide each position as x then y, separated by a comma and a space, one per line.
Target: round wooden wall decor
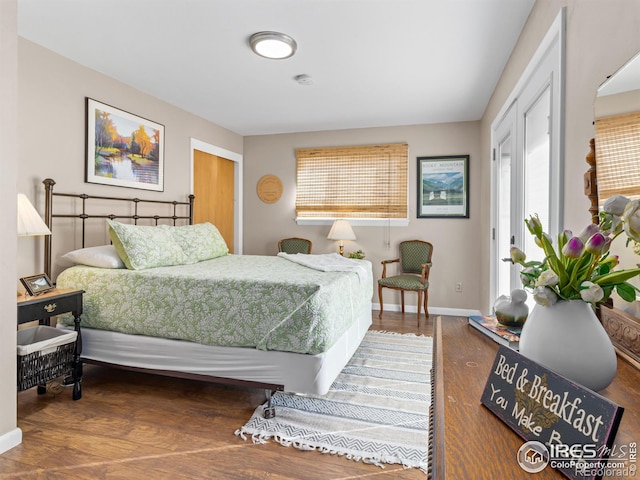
269, 189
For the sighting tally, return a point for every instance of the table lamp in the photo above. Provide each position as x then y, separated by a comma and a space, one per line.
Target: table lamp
30, 223
341, 230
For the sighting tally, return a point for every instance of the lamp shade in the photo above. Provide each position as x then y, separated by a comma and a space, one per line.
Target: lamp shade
30, 222
341, 230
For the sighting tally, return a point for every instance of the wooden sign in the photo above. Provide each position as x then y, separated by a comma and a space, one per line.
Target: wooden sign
573, 425
269, 189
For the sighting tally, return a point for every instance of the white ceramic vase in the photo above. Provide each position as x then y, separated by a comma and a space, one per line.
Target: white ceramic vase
568, 338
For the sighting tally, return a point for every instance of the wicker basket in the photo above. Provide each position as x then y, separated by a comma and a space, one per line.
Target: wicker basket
44, 353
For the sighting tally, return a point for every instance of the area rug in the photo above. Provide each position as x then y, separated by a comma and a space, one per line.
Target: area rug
376, 411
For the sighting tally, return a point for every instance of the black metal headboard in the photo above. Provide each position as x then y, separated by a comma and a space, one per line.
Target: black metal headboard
83, 215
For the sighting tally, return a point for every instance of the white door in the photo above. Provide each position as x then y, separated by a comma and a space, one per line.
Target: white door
526, 170
506, 200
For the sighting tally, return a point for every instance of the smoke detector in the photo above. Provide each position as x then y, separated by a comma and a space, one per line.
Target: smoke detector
303, 79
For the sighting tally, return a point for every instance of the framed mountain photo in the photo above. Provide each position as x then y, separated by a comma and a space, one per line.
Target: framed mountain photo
443, 187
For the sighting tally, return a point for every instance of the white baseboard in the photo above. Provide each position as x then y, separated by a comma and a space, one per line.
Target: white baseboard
11, 439
454, 312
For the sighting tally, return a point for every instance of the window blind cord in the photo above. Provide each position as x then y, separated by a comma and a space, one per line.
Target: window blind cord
387, 229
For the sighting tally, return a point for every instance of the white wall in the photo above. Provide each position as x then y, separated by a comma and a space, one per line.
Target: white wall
10, 435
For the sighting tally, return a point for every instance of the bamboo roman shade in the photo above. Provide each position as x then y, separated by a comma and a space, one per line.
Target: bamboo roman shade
352, 182
618, 156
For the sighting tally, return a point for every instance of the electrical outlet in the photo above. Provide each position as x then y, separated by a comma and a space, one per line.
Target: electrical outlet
459, 287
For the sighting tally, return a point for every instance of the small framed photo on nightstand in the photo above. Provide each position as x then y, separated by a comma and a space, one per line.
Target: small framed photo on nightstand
37, 284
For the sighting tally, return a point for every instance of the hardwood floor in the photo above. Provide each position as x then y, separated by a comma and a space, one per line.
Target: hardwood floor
137, 426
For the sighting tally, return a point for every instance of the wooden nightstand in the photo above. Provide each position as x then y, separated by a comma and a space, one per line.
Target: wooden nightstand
56, 302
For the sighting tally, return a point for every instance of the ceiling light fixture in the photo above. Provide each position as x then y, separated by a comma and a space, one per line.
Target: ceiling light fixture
273, 45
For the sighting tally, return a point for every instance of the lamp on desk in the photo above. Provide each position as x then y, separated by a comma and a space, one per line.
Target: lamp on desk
30, 223
341, 230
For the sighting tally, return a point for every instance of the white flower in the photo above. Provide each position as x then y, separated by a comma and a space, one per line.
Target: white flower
615, 205
631, 217
591, 292
527, 277
548, 278
544, 296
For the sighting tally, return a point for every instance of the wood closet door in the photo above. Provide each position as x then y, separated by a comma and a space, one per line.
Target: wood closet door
213, 186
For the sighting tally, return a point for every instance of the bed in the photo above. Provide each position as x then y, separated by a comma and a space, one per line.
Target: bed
285, 322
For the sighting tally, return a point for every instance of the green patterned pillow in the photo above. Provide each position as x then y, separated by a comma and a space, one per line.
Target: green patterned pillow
201, 241
142, 247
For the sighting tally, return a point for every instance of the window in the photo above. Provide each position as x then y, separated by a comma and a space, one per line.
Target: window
618, 156
366, 182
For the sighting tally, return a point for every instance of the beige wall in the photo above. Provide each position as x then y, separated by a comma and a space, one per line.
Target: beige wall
9, 434
51, 120
601, 37
455, 257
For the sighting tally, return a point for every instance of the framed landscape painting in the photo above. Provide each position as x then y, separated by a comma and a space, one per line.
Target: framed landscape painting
123, 150
443, 187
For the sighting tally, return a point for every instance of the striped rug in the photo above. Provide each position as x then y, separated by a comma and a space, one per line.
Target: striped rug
377, 410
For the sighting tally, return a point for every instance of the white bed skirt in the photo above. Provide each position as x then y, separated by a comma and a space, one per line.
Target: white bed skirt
299, 373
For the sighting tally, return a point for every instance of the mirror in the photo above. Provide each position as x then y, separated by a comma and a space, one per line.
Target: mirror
617, 122
617, 117
620, 93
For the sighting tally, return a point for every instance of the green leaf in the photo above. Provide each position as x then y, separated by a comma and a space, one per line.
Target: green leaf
553, 260
617, 277
626, 291
604, 268
580, 269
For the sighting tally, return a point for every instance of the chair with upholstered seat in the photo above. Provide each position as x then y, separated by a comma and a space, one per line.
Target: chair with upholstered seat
415, 265
294, 245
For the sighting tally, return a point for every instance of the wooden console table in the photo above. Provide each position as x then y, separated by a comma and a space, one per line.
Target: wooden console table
471, 442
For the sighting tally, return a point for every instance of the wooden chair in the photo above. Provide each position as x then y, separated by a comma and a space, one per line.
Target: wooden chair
294, 245
415, 265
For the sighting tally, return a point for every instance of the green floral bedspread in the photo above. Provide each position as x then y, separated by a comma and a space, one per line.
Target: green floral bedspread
236, 300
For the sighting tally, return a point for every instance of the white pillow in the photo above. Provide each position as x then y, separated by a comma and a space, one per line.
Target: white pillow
104, 256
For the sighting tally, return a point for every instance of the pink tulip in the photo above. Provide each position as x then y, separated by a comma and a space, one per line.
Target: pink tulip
597, 244
573, 248
589, 231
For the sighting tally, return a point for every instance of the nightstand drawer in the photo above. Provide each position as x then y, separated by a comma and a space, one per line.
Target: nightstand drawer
45, 306
42, 308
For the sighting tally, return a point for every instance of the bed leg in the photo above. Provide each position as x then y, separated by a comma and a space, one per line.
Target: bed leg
269, 411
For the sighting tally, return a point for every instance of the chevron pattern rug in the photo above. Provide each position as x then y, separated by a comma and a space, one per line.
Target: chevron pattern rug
377, 410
